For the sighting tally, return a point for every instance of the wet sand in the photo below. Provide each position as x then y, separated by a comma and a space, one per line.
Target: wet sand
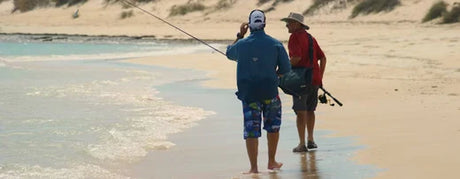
216, 149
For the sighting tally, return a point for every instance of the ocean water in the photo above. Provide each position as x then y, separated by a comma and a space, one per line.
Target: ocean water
70, 108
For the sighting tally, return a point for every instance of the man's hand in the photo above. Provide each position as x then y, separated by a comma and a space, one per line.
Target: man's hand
244, 28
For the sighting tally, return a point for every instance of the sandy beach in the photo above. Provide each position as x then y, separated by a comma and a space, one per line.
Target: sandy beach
399, 79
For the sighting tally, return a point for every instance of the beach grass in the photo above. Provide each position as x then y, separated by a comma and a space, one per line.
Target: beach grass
437, 10
141, 1
126, 14
260, 2
186, 8
275, 3
453, 15
374, 6
27, 5
67, 2
224, 4
317, 4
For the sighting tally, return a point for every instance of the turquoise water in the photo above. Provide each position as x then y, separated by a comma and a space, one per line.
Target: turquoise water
72, 109
15, 49
25, 48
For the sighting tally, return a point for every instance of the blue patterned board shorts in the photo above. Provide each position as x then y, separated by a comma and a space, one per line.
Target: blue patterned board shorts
271, 111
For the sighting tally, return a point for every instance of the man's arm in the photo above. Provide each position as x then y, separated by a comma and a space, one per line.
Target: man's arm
231, 49
322, 66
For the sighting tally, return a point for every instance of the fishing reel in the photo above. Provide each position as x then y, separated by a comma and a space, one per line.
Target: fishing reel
323, 99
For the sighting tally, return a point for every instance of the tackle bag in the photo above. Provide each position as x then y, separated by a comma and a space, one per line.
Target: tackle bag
298, 81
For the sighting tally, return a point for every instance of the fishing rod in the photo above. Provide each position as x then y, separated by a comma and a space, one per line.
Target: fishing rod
128, 2
329, 94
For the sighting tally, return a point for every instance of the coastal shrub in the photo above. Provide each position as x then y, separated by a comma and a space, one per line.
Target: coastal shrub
133, 1
282, 1
260, 2
27, 5
275, 3
144, 1
126, 14
111, 1
374, 6
315, 6
68, 2
453, 15
224, 4
437, 10
186, 8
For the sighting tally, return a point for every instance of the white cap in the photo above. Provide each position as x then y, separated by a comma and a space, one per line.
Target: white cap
256, 20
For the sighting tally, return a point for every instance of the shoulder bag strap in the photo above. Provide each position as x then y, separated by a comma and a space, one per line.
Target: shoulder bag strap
310, 47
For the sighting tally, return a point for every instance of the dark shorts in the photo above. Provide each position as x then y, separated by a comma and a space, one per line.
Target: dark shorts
306, 102
253, 112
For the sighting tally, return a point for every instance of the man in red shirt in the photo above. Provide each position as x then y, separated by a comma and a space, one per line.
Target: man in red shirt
305, 106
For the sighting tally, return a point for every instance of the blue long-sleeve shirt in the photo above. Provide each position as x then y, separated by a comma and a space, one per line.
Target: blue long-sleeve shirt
260, 59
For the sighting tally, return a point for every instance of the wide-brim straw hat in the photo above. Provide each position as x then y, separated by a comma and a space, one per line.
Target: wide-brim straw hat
296, 17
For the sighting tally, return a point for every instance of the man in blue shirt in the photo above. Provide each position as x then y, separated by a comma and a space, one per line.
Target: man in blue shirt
261, 59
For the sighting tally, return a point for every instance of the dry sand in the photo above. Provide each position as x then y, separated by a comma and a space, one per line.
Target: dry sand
399, 80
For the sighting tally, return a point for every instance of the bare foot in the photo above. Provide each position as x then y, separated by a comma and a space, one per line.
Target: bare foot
252, 171
275, 165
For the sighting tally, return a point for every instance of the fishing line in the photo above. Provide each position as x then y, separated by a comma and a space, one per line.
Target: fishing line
147, 12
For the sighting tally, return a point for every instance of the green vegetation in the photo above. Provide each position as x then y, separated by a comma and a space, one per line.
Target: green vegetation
437, 10
453, 15
68, 2
374, 6
143, 1
126, 14
274, 4
282, 1
224, 4
27, 5
260, 2
134, 1
186, 8
317, 4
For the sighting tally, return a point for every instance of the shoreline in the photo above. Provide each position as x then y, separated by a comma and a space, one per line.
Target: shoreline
398, 81
140, 38
222, 141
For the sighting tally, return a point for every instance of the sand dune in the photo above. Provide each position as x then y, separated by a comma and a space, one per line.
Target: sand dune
98, 18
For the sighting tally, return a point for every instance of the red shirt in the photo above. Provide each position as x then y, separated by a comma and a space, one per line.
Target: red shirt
298, 47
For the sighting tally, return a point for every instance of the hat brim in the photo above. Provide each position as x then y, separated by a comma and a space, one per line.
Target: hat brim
303, 25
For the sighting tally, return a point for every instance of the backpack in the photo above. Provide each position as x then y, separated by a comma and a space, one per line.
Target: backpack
298, 81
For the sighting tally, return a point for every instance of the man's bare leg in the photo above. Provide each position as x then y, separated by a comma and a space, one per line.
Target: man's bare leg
301, 125
310, 125
252, 148
272, 140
